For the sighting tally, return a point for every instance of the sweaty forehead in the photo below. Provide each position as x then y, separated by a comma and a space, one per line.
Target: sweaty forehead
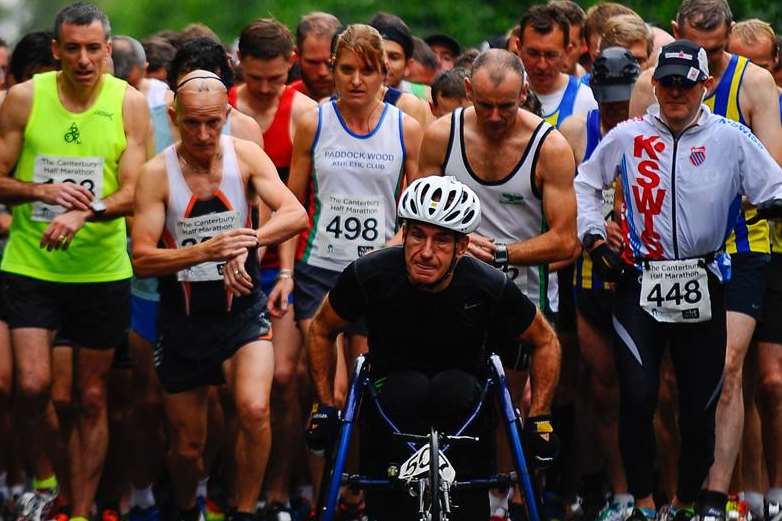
495, 81
195, 101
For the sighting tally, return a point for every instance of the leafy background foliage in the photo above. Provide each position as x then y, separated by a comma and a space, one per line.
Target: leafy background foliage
471, 21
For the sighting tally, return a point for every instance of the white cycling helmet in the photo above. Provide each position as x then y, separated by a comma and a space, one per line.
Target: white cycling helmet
442, 201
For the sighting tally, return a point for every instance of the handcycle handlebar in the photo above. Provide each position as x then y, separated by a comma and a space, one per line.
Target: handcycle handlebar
424, 438
501, 481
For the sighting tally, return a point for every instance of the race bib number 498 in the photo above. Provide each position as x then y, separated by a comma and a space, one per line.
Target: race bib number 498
350, 227
83, 171
676, 291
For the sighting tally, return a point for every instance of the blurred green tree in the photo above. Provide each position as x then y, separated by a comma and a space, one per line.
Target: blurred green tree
470, 21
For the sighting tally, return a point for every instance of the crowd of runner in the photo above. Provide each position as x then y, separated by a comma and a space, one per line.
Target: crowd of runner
177, 210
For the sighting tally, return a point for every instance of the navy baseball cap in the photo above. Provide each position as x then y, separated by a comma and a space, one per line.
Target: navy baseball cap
682, 58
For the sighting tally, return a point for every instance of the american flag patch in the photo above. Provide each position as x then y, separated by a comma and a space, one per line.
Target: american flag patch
697, 155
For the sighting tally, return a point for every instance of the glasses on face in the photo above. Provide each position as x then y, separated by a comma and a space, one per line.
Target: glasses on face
534, 54
677, 81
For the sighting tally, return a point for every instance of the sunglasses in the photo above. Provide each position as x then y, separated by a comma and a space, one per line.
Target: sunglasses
677, 81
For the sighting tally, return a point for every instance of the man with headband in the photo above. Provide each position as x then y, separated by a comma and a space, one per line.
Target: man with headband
194, 198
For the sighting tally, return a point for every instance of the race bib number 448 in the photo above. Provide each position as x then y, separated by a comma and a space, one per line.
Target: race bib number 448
676, 291
83, 171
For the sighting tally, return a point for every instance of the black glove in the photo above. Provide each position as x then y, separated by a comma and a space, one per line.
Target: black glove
323, 427
771, 209
540, 441
607, 262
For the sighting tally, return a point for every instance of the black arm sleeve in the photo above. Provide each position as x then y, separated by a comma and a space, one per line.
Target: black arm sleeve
347, 297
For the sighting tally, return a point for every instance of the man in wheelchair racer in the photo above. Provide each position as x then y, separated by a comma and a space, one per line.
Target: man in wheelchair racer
433, 316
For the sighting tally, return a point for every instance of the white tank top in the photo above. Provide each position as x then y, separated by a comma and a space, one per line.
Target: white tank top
511, 208
355, 183
185, 227
156, 94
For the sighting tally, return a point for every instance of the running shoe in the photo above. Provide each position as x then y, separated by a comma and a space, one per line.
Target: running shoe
616, 509
642, 514
350, 511
671, 513
212, 511
109, 514
34, 506
278, 512
773, 511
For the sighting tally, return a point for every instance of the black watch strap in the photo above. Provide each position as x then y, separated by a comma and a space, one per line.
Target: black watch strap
500, 255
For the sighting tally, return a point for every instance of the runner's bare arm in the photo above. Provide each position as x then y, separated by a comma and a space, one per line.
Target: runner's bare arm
643, 94
135, 116
288, 217
434, 146
322, 357
415, 107
301, 160
245, 127
574, 131
14, 114
554, 177
763, 97
546, 362
149, 221
412, 135
303, 106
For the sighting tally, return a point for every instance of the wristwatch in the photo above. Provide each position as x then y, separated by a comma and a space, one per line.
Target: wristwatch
98, 208
590, 239
500, 255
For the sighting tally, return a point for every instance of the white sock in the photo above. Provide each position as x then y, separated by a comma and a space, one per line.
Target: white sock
17, 490
497, 502
143, 498
201, 490
754, 501
774, 494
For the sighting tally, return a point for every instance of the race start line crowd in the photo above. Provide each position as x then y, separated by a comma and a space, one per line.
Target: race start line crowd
200, 238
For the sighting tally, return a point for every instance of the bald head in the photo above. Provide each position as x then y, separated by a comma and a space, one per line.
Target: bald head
200, 87
498, 63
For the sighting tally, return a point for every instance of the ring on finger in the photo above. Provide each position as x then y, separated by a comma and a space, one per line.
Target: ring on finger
236, 272
63, 238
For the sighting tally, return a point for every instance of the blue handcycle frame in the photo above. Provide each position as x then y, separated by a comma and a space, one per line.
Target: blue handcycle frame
360, 381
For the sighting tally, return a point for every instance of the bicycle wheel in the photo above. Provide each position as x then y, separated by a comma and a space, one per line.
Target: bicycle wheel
434, 475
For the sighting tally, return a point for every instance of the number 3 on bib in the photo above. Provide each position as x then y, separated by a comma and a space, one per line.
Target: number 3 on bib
676, 291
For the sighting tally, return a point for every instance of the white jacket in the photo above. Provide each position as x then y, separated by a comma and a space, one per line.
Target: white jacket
680, 193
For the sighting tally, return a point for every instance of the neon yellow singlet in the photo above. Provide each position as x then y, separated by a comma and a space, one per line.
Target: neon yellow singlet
724, 101
85, 148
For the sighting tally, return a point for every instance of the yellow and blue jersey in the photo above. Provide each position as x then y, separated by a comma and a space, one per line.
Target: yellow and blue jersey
725, 102
566, 104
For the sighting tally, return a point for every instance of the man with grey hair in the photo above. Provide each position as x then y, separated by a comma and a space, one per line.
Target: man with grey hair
76, 138
745, 93
214, 324
130, 60
313, 49
520, 167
